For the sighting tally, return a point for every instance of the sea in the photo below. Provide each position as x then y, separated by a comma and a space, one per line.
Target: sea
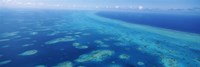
75, 38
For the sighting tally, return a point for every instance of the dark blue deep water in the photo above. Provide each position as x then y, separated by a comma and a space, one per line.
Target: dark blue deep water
180, 21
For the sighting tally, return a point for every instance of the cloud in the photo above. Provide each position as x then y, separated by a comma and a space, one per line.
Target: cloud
140, 7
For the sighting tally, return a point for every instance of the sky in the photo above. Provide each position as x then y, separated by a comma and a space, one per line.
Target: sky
140, 4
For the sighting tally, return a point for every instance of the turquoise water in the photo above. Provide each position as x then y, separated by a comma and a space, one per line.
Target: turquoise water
50, 38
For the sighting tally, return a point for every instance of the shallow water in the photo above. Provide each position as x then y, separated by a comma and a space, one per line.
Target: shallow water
31, 38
